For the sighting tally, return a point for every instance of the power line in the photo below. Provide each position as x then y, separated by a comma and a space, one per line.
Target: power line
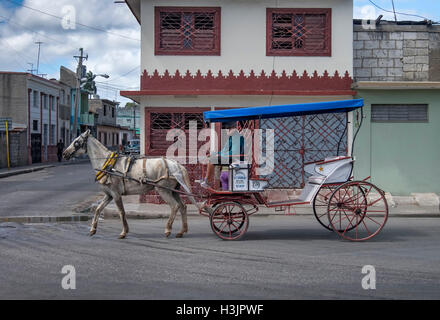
9, 20
125, 74
401, 13
76, 23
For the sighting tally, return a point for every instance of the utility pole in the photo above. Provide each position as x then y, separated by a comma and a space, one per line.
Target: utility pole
38, 59
79, 69
134, 120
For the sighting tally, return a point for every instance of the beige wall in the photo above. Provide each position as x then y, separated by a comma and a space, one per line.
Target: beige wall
243, 39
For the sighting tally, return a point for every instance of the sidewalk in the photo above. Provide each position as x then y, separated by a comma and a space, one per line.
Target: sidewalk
135, 210
37, 167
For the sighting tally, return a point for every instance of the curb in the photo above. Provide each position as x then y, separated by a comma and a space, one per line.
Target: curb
40, 219
23, 171
39, 168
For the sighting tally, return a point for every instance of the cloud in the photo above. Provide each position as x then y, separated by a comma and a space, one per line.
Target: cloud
113, 52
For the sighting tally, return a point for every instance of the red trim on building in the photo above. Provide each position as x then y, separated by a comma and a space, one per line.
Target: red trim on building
262, 84
306, 32
188, 32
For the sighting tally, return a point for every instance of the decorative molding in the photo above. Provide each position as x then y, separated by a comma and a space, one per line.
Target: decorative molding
241, 84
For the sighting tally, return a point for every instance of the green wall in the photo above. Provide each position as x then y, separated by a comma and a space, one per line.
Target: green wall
401, 158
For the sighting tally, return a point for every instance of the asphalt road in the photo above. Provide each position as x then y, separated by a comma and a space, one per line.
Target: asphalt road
50, 192
280, 257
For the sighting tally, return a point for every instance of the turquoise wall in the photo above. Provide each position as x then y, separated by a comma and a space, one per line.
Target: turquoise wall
401, 158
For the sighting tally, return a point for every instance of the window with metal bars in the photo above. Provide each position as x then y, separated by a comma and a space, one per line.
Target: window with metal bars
187, 31
298, 32
399, 113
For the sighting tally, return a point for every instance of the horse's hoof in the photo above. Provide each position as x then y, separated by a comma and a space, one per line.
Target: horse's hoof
179, 235
122, 236
92, 233
167, 234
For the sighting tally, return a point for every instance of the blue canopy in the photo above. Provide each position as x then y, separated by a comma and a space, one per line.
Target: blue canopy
290, 110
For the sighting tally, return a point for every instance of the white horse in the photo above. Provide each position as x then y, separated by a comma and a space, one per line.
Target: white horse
162, 172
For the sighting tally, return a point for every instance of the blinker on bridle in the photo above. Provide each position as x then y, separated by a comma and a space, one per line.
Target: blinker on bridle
78, 145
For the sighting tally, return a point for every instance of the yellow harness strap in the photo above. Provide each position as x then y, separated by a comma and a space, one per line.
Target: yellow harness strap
109, 164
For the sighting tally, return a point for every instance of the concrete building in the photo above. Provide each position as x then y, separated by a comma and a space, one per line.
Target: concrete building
32, 102
85, 120
397, 72
283, 52
129, 118
107, 130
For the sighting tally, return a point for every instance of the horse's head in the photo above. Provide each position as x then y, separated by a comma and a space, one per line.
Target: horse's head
77, 147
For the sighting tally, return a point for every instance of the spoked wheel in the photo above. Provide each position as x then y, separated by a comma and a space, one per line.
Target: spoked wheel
320, 205
357, 210
321, 201
229, 221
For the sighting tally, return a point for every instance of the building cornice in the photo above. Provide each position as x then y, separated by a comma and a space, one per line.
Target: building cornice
180, 84
396, 85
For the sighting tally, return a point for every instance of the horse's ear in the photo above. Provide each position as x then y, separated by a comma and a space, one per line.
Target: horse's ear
87, 132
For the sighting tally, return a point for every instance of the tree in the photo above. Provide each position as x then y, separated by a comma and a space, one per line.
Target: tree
131, 105
89, 84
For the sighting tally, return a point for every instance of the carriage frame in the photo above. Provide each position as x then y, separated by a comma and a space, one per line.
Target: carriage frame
356, 210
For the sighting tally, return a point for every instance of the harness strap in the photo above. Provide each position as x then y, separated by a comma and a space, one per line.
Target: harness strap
145, 180
108, 165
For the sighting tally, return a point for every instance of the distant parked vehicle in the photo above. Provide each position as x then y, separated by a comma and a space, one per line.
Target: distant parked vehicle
133, 147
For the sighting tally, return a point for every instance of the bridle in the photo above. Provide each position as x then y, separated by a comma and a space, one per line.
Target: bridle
83, 144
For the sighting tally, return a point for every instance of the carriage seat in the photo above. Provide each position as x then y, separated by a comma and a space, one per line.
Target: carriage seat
316, 179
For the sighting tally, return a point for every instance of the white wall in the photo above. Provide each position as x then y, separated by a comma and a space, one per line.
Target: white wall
243, 39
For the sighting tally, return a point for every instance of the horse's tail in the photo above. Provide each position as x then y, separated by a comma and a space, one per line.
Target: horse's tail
186, 185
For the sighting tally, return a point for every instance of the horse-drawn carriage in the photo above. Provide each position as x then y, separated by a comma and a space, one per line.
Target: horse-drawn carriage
356, 210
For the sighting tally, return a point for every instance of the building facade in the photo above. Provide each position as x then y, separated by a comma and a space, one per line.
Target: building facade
33, 103
129, 118
107, 130
200, 55
397, 72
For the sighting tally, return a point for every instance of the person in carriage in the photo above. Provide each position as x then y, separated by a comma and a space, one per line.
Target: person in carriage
234, 148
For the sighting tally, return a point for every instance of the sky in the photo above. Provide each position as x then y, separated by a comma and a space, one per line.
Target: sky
110, 35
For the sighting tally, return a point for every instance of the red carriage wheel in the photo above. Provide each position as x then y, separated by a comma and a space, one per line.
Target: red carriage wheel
229, 221
320, 204
357, 210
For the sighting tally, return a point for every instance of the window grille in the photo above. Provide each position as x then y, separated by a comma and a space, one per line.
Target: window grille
299, 32
187, 31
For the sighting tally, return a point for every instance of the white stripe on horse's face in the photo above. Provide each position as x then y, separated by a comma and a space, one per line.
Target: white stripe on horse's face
77, 147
